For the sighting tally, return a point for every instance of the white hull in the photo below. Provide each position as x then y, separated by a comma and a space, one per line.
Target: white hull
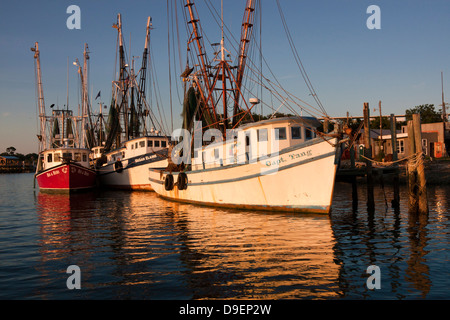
300, 178
134, 174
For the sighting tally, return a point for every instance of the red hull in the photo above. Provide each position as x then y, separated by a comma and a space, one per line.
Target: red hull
66, 177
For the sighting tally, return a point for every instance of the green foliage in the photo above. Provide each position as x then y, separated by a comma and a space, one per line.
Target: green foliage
427, 113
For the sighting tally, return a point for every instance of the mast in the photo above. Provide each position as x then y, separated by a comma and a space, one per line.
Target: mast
246, 32
444, 113
195, 36
41, 136
143, 74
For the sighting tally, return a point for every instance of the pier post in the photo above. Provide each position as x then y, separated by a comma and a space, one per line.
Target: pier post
368, 154
396, 200
418, 201
411, 169
421, 179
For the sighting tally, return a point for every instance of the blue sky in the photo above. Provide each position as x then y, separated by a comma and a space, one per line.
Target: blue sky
348, 64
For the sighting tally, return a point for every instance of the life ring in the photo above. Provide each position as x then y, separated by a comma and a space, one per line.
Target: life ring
182, 181
168, 182
118, 166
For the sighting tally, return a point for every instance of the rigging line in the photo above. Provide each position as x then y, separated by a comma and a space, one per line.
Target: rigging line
158, 94
170, 72
260, 51
286, 92
298, 60
175, 71
296, 57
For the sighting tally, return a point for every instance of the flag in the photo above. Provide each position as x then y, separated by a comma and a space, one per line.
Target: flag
98, 95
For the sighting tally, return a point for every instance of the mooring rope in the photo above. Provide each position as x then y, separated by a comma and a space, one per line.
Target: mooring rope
416, 160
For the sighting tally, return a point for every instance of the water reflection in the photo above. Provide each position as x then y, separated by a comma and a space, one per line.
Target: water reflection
141, 241
398, 242
135, 245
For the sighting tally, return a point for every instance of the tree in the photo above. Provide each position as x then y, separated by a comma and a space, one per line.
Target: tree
427, 113
11, 150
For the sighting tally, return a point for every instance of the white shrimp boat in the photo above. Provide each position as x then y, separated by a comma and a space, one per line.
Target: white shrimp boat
127, 167
130, 149
298, 177
277, 164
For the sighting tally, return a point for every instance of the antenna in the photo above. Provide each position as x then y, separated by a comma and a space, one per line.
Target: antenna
444, 114
67, 105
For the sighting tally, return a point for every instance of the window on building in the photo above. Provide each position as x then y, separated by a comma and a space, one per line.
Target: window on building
400, 146
296, 132
425, 146
280, 133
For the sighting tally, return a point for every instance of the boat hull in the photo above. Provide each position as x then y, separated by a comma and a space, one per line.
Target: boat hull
66, 177
299, 179
132, 176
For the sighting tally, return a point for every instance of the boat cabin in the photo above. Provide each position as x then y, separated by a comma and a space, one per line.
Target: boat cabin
53, 157
138, 147
97, 152
255, 140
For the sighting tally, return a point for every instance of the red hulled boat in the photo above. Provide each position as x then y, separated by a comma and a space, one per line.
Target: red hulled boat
64, 161
65, 169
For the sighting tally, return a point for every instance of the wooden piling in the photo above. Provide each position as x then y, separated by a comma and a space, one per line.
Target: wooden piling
396, 200
368, 154
420, 168
411, 169
418, 202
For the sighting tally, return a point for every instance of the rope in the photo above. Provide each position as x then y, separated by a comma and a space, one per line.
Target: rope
416, 158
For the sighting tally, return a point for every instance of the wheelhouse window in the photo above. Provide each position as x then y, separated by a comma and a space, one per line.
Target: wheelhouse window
77, 156
280, 133
57, 157
156, 143
163, 144
84, 157
141, 144
49, 157
149, 143
262, 135
308, 133
296, 132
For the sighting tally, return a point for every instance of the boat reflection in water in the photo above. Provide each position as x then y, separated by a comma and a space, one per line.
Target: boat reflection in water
136, 245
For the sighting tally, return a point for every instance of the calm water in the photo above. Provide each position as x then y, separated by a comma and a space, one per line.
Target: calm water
134, 245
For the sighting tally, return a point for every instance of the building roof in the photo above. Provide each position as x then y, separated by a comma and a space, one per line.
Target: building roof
10, 157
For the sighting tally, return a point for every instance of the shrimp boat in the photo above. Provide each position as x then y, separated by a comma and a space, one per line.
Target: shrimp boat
277, 164
131, 148
63, 162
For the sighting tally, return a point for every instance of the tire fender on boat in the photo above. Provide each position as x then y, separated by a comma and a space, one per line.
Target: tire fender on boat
168, 182
118, 166
182, 181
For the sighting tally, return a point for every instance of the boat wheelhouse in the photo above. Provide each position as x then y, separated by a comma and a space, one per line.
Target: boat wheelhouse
127, 167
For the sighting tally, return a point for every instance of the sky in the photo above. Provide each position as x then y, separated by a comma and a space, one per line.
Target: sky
348, 64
